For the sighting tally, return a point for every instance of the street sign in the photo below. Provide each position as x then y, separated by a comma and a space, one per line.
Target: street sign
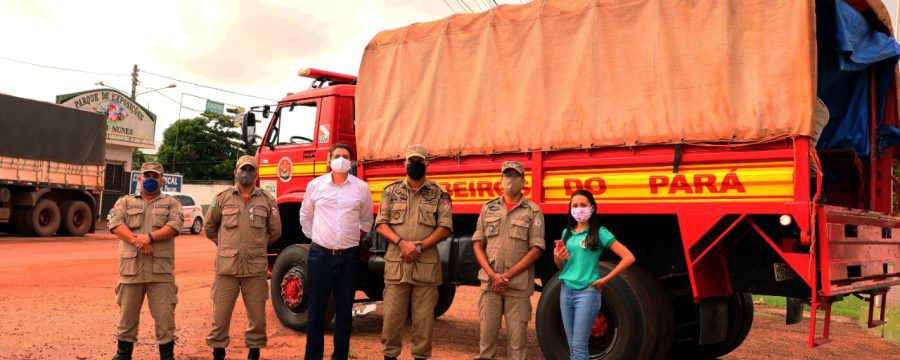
215, 107
172, 182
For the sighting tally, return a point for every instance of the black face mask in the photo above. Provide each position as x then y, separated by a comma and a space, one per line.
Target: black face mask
246, 178
415, 170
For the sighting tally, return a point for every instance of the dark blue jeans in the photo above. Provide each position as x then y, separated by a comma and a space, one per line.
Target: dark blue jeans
326, 272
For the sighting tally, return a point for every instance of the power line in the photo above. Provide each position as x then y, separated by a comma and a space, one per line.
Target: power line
60, 67
206, 86
463, 4
448, 5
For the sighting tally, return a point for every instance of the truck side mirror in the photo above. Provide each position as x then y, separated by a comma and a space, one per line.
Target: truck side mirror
248, 126
266, 112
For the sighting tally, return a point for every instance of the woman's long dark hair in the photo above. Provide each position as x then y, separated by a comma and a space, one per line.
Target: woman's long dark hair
592, 239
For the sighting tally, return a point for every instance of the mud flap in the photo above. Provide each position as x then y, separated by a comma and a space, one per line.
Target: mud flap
794, 311
713, 320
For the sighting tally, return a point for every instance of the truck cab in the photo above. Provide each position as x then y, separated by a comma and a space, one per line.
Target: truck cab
293, 151
294, 148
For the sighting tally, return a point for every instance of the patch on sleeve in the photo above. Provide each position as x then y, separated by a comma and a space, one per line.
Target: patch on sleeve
448, 204
275, 210
537, 221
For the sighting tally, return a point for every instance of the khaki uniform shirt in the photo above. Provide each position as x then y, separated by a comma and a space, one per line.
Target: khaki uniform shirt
509, 236
242, 231
414, 216
143, 217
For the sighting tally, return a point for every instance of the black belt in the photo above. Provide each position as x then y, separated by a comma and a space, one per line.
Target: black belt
334, 252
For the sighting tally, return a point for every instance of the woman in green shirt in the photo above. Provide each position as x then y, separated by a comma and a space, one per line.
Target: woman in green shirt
578, 255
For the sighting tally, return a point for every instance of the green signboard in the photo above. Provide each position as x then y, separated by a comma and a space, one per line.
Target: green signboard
215, 107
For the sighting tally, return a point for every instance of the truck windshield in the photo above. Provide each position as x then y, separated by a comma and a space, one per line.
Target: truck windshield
294, 125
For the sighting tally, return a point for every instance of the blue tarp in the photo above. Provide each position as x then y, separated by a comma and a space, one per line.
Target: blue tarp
848, 48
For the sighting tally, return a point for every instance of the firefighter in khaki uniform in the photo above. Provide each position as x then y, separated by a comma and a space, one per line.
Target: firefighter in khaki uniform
508, 239
146, 222
413, 216
242, 221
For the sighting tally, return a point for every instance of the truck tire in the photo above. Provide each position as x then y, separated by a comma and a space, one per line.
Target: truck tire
740, 319
622, 318
745, 312
288, 282
197, 226
17, 221
660, 310
446, 293
43, 219
76, 218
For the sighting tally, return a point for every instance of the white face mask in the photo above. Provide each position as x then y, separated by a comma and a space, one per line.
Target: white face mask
582, 214
341, 165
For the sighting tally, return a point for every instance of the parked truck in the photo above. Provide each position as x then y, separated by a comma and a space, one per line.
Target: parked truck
695, 125
51, 168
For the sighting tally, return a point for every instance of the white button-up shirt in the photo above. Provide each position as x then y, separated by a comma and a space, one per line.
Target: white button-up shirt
333, 215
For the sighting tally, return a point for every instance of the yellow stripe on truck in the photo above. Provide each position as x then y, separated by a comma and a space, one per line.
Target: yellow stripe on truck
299, 169
744, 182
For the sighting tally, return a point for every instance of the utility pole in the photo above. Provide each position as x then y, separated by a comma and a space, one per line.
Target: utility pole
134, 81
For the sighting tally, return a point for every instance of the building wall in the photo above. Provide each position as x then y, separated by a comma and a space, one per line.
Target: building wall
203, 193
119, 153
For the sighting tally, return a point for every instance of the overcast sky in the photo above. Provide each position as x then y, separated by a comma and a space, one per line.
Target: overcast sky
253, 47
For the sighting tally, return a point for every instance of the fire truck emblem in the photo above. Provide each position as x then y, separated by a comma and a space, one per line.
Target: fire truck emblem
285, 169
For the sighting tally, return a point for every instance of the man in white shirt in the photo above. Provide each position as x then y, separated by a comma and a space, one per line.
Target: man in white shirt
336, 214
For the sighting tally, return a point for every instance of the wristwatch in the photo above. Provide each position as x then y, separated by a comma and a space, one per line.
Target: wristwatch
419, 247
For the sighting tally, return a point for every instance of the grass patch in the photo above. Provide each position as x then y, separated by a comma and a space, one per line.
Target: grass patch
849, 306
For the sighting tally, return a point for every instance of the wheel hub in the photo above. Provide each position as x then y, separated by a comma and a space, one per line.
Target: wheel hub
44, 217
601, 326
292, 288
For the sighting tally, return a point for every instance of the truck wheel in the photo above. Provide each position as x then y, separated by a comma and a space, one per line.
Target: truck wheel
745, 313
660, 310
619, 329
446, 293
76, 218
287, 288
43, 219
17, 221
740, 319
197, 226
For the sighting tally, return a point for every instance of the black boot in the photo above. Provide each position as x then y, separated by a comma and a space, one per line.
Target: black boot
167, 351
253, 354
124, 350
219, 354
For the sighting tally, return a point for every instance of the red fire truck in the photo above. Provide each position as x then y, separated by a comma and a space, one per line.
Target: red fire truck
695, 125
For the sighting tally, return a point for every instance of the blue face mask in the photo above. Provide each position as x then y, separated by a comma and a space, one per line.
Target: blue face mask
150, 185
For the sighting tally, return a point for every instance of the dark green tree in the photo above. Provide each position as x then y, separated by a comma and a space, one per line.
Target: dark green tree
202, 148
138, 157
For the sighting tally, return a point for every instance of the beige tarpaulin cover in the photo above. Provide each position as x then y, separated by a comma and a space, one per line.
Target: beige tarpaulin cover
576, 74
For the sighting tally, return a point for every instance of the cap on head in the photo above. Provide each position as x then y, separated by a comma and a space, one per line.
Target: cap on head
246, 160
416, 150
152, 167
515, 165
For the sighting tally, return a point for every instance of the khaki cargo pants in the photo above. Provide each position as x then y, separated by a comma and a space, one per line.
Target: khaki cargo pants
397, 300
161, 298
255, 291
517, 310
